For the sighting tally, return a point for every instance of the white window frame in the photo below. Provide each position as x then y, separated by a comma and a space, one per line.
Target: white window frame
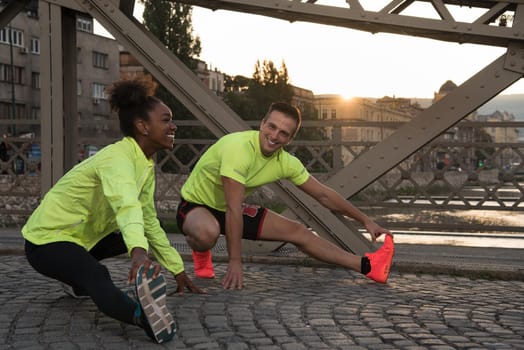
100, 59
84, 24
99, 91
16, 35
35, 46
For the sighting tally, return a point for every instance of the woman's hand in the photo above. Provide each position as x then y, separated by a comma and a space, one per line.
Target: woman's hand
139, 257
183, 281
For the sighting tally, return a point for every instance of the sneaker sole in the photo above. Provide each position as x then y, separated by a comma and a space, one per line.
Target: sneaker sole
152, 297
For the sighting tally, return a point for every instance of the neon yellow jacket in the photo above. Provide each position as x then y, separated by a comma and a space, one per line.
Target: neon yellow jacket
112, 190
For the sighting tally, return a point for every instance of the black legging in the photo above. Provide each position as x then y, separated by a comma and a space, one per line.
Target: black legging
72, 264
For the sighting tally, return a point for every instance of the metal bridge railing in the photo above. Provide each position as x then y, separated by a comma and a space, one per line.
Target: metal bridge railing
468, 179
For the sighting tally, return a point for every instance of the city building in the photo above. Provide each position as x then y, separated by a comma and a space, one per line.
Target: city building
486, 137
98, 59
101, 61
213, 79
20, 83
382, 119
302, 98
19, 73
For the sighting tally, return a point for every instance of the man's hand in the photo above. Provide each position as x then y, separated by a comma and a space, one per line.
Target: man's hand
376, 230
183, 281
234, 278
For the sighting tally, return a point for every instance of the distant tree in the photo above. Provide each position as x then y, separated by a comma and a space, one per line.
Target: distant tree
171, 23
235, 95
250, 98
238, 83
269, 84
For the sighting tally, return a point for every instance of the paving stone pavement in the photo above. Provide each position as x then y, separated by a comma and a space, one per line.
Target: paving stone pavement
288, 307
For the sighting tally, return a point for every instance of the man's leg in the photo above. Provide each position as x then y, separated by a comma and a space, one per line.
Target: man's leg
279, 228
202, 230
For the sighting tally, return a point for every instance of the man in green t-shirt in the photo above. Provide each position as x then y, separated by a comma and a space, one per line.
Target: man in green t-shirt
213, 196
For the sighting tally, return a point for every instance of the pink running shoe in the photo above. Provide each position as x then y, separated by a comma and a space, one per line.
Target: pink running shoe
203, 264
381, 261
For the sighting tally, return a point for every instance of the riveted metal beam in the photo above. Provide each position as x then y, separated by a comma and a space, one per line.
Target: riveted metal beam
388, 20
11, 10
428, 125
51, 94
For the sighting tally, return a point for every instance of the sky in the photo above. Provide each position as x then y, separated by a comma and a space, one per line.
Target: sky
336, 60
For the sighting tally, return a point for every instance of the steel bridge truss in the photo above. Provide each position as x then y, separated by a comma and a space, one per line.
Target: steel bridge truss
500, 24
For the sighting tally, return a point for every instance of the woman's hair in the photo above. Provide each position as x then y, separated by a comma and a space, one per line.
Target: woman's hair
132, 99
289, 110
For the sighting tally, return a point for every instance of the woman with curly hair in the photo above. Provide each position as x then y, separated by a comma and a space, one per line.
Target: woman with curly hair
104, 207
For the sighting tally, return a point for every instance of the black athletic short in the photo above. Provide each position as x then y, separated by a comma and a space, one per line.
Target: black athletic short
253, 215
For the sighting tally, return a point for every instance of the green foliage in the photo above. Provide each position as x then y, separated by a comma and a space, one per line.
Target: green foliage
250, 98
268, 85
171, 23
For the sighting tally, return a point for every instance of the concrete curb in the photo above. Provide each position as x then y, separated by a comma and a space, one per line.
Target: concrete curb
401, 264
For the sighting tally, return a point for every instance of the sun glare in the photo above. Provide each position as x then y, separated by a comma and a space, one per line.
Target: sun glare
347, 95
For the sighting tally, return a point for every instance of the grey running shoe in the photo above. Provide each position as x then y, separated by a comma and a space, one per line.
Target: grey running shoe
151, 295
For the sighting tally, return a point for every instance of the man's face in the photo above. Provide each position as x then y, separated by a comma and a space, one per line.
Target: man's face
276, 131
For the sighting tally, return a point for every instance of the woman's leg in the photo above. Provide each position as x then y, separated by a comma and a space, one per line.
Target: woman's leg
110, 246
72, 264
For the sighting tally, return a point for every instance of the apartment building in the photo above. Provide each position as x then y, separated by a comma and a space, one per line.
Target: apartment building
488, 134
100, 61
212, 78
336, 107
20, 83
19, 73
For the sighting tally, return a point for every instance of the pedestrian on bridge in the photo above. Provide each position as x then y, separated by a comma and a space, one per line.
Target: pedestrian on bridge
104, 207
213, 196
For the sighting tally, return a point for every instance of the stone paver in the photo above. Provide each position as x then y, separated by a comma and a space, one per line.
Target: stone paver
282, 307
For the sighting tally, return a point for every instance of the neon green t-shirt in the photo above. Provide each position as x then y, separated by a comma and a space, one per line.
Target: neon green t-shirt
238, 156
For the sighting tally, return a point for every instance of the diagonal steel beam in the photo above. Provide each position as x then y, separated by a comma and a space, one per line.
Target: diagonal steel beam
11, 10
432, 122
429, 124
210, 110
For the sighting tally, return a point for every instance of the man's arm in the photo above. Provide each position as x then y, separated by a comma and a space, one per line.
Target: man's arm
234, 194
332, 200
